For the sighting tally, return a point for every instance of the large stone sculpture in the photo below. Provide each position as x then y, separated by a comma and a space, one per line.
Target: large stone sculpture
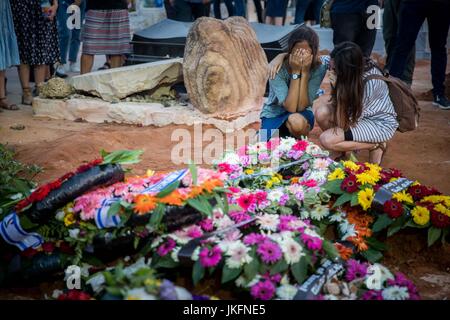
224, 68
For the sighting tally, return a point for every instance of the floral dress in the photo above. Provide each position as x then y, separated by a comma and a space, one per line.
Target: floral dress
37, 36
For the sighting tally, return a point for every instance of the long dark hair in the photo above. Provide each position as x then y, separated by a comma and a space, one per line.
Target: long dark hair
307, 34
347, 95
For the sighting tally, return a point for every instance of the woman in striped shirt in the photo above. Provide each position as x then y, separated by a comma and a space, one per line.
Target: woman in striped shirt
361, 115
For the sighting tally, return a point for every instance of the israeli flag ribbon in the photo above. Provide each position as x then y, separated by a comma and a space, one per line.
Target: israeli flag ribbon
102, 219
13, 233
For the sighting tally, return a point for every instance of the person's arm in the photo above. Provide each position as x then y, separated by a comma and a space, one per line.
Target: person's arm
275, 65
292, 99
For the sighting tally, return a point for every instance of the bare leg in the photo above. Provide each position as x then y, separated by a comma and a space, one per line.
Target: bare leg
87, 61
297, 125
116, 61
2, 84
39, 74
323, 115
278, 21
24, 75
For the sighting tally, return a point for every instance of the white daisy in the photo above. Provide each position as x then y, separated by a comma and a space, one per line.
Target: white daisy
238, 255
268, 221
292, 250
174, 253
319, 212
275, 195
286, 292
321, 164
395, 293
347, 229
338, 216
286, 144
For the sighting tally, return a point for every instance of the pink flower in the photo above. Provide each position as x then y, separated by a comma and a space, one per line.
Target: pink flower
206, 225
311, 242
210, 257
242, 151
246, 200
276, 278
300, 145
269, 252
311, 183
263, 290
194, 232
254, 238
224, 167
245, 161
263, 157
261, 196
284, 198
165, 248
273, 143
239, 216
295, 154
285, 223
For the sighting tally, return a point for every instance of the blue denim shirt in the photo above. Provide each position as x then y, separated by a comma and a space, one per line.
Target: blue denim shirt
279, 89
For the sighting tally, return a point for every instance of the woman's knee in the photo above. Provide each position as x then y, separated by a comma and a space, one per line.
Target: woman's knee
298, 125
322, 114
328, 139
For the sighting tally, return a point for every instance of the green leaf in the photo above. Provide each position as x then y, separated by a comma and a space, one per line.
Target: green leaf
354, 201
114, 209
229, 274
444, 236
334, 186
375, 244
122, 157
26, 223
198, 272
398, 224
330, 249
251, 269
136, 242
168, 189
372, 255
279, 267
193, 170
197, 204
383, 221
166, 262
300, 270
433, 235
157, 216
343, 198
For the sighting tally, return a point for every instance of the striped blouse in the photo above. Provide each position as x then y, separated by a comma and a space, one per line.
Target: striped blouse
378, 121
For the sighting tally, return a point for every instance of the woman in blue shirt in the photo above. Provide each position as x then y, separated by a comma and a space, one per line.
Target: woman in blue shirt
294, 87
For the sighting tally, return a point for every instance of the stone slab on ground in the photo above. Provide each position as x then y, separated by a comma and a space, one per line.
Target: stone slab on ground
118, 83
146, 114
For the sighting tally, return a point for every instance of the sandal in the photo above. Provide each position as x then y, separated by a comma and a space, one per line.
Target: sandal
27, 97
7, 106
383, 147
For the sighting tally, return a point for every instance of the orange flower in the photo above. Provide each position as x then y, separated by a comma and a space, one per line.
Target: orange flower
143, 203
173, 199
359, 242
195, 192
209, 185
294, 180
344, 252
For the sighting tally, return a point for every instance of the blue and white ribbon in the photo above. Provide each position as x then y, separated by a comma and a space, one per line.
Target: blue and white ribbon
103, 220
12, 232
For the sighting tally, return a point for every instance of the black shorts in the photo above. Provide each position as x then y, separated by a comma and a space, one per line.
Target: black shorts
348, 135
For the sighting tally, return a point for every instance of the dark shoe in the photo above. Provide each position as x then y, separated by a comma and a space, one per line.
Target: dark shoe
442, 102
106, 66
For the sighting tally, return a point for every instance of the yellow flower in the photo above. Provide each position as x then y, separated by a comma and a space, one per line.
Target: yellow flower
420, 215
416, 183
403, 197
249, 171
152, 282
373, 167
336, 174
368, 178
276, 180
442, 209
69, 219
150, 173
393, 179
351, 165
365, 198
438, 199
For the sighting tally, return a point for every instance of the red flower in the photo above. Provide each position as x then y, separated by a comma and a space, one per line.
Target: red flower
40, 193
300, 145
29, 253
74, 295
246, 200
48, 247
64, 247
66, 176
349, 184
393, 208
311, 183
87, 166
439, 220
419, 191
224, 167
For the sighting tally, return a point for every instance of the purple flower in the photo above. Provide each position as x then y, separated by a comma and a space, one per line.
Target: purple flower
206, 225
285, 221
355, 270
210, 257
254, 238
276, 278
284, 198
239, 216
305, 165
294, 154
167, 291
263, 290
372, 295
269, 252
402, 281
165, 248
311, 242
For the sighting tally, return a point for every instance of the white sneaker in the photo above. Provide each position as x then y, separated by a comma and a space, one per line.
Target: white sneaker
74, 68
61, 71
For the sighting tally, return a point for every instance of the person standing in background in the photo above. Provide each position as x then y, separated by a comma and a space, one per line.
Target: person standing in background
228, 4
37, 38
276, 10
191, 10
412, 15
301, 9
106, 32
69, 39
239, 8
349, 23
9, 51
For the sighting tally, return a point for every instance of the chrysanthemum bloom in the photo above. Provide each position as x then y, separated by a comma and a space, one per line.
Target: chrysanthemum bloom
207, 225
349, 184
166, 247
312, 242
402, 281
210, 257
365, 198
393, 208
301, 145
254, 238
269, 252
355, 270
372, 295
421, 215
246, 200
263, 290
144, 203
338, 173
439, 220
418, 191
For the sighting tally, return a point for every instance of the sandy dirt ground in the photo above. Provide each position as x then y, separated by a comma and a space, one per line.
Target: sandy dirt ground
60, 146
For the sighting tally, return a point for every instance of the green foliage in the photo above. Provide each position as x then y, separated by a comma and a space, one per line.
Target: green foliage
121, 156
382, 222
433, 235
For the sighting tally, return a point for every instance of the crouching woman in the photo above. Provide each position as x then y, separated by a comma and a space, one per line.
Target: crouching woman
361, 115
295, 81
